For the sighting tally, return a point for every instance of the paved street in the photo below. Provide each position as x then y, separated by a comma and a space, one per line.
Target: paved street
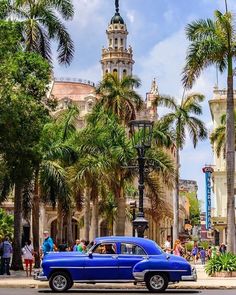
28, 291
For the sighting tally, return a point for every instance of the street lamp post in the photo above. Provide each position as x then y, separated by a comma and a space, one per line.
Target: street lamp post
141, 131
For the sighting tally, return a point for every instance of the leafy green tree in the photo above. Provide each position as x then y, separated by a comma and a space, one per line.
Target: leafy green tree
24, 79
182, 120
212, 42
6, 224
41, 24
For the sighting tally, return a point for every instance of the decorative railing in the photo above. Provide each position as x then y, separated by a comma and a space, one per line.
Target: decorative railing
221, 92
75, 80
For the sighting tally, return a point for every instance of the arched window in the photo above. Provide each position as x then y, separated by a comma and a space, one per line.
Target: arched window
124, 72
116, 41
115, 71
121, 42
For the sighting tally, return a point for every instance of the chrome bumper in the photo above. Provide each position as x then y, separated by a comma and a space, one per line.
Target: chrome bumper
192, 277
40, 276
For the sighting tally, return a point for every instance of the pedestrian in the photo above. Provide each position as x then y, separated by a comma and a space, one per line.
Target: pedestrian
177, 248
81, 247
6, 249
209, 253
202, 254
195, 252
77, 242
222, 249
28, 256
48, 244
63, 246
167, 245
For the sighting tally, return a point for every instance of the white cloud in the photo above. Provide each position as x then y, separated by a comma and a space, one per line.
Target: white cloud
131, 16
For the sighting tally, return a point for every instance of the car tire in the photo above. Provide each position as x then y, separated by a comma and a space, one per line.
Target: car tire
60, 281
156, 282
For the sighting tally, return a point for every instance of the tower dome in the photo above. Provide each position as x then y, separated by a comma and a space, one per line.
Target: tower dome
117, 58
117, 19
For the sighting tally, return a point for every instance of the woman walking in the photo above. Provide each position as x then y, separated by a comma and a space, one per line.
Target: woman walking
27, 253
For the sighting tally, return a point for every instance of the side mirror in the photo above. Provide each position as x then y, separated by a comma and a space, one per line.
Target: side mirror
90, 254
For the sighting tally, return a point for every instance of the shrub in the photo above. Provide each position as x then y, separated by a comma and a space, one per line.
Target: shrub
189, 246
219, 263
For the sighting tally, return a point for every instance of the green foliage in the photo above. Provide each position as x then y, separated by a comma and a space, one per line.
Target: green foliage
204, 244
6, 224
194, 207
41, 23
189, 246
219, 263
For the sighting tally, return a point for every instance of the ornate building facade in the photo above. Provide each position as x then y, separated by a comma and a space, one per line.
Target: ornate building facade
219, 219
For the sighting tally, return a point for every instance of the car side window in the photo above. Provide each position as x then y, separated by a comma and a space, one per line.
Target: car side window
131, 249
105, 248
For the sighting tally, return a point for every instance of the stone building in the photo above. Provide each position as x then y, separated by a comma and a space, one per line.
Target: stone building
219, 219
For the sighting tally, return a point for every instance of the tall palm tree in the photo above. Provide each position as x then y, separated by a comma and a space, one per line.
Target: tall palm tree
42, 24
119, 97
213, 42
50, 179
182, 119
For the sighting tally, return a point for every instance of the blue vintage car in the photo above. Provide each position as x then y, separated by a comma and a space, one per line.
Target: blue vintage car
116, 260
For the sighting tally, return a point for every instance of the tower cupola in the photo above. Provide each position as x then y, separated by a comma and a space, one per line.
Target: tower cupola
117, 58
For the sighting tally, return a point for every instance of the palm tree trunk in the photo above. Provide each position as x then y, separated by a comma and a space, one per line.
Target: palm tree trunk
176, 201
230, 162
95, 218
16, 259
69, 228
121, 214
87, 215
35, 219
59, 223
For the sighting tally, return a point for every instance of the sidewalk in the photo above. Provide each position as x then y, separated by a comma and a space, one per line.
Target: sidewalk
19, 280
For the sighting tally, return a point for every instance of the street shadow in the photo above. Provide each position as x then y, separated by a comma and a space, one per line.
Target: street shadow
120, 291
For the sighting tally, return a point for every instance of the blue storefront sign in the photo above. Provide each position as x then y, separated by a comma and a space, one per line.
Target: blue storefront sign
208, 171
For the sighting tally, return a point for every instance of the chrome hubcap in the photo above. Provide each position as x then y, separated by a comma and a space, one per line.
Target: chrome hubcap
59, 282
157, 282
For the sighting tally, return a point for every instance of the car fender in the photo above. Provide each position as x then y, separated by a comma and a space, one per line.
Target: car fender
173, 268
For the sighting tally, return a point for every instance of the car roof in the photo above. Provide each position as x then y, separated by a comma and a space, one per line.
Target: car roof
150, 246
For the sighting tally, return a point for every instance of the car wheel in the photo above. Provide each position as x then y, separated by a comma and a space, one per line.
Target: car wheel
156, 282
60, 281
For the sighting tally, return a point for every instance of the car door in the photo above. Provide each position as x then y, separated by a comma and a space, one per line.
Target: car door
102, 263
130, 254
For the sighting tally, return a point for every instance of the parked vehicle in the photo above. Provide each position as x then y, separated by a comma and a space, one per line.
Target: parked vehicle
116, 260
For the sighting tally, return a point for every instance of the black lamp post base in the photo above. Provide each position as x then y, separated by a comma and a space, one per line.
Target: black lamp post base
140, 224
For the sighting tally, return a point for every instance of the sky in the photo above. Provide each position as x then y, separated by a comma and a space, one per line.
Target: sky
157, 35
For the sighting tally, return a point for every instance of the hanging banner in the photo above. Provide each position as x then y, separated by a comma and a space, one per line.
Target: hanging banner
208, 171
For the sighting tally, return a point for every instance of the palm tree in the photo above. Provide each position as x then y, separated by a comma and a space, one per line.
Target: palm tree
213, 42
182, 120
218, 135
50, 178
119, 97
42, 24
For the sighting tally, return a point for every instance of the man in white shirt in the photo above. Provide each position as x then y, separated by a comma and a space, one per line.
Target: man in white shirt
167, 245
